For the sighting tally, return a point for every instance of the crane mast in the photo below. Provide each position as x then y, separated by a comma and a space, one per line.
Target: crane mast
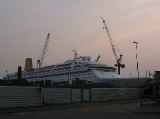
43, 52
118, 59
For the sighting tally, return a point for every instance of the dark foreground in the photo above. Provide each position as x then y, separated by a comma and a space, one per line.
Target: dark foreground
76, 115
97, 110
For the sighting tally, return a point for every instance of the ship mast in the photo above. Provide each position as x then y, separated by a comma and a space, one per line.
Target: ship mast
75, 54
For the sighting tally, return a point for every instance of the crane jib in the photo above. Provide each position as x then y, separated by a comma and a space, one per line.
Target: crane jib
118, 59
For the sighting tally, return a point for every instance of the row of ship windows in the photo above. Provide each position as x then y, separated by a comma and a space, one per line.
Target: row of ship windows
66, 70
73, 77
60, 71
82, 75
45, 73
70, 78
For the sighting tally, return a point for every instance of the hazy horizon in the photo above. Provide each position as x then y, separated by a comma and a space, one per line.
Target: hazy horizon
77, 25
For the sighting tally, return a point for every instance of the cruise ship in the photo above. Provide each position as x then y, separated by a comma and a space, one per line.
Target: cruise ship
80, 68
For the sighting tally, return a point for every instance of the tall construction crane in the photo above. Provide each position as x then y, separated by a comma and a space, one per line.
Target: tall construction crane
43, 52
118, 64
97, 59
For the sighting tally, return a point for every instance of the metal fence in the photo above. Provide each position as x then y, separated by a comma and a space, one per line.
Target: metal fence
55, 95
14, 96
106, 94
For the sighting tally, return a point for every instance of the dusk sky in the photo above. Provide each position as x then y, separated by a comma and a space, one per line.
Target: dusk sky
76, 24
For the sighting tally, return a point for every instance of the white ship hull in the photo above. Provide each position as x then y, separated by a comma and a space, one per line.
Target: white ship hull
80, 68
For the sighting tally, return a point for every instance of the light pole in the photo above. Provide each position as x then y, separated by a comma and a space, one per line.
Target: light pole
136, 43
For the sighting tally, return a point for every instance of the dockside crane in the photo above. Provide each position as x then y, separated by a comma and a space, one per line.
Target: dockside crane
118, 64
97, 59
40, 61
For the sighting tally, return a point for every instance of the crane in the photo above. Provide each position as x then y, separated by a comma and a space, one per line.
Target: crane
43, 52
118, 64
97, 59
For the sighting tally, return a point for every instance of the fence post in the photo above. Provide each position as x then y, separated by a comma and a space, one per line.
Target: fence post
40, 95
82, 95
90, 95
71, 95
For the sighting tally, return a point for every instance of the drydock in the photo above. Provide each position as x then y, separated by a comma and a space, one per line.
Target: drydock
80, 79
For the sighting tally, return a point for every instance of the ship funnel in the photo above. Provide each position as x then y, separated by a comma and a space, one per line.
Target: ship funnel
28, 64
